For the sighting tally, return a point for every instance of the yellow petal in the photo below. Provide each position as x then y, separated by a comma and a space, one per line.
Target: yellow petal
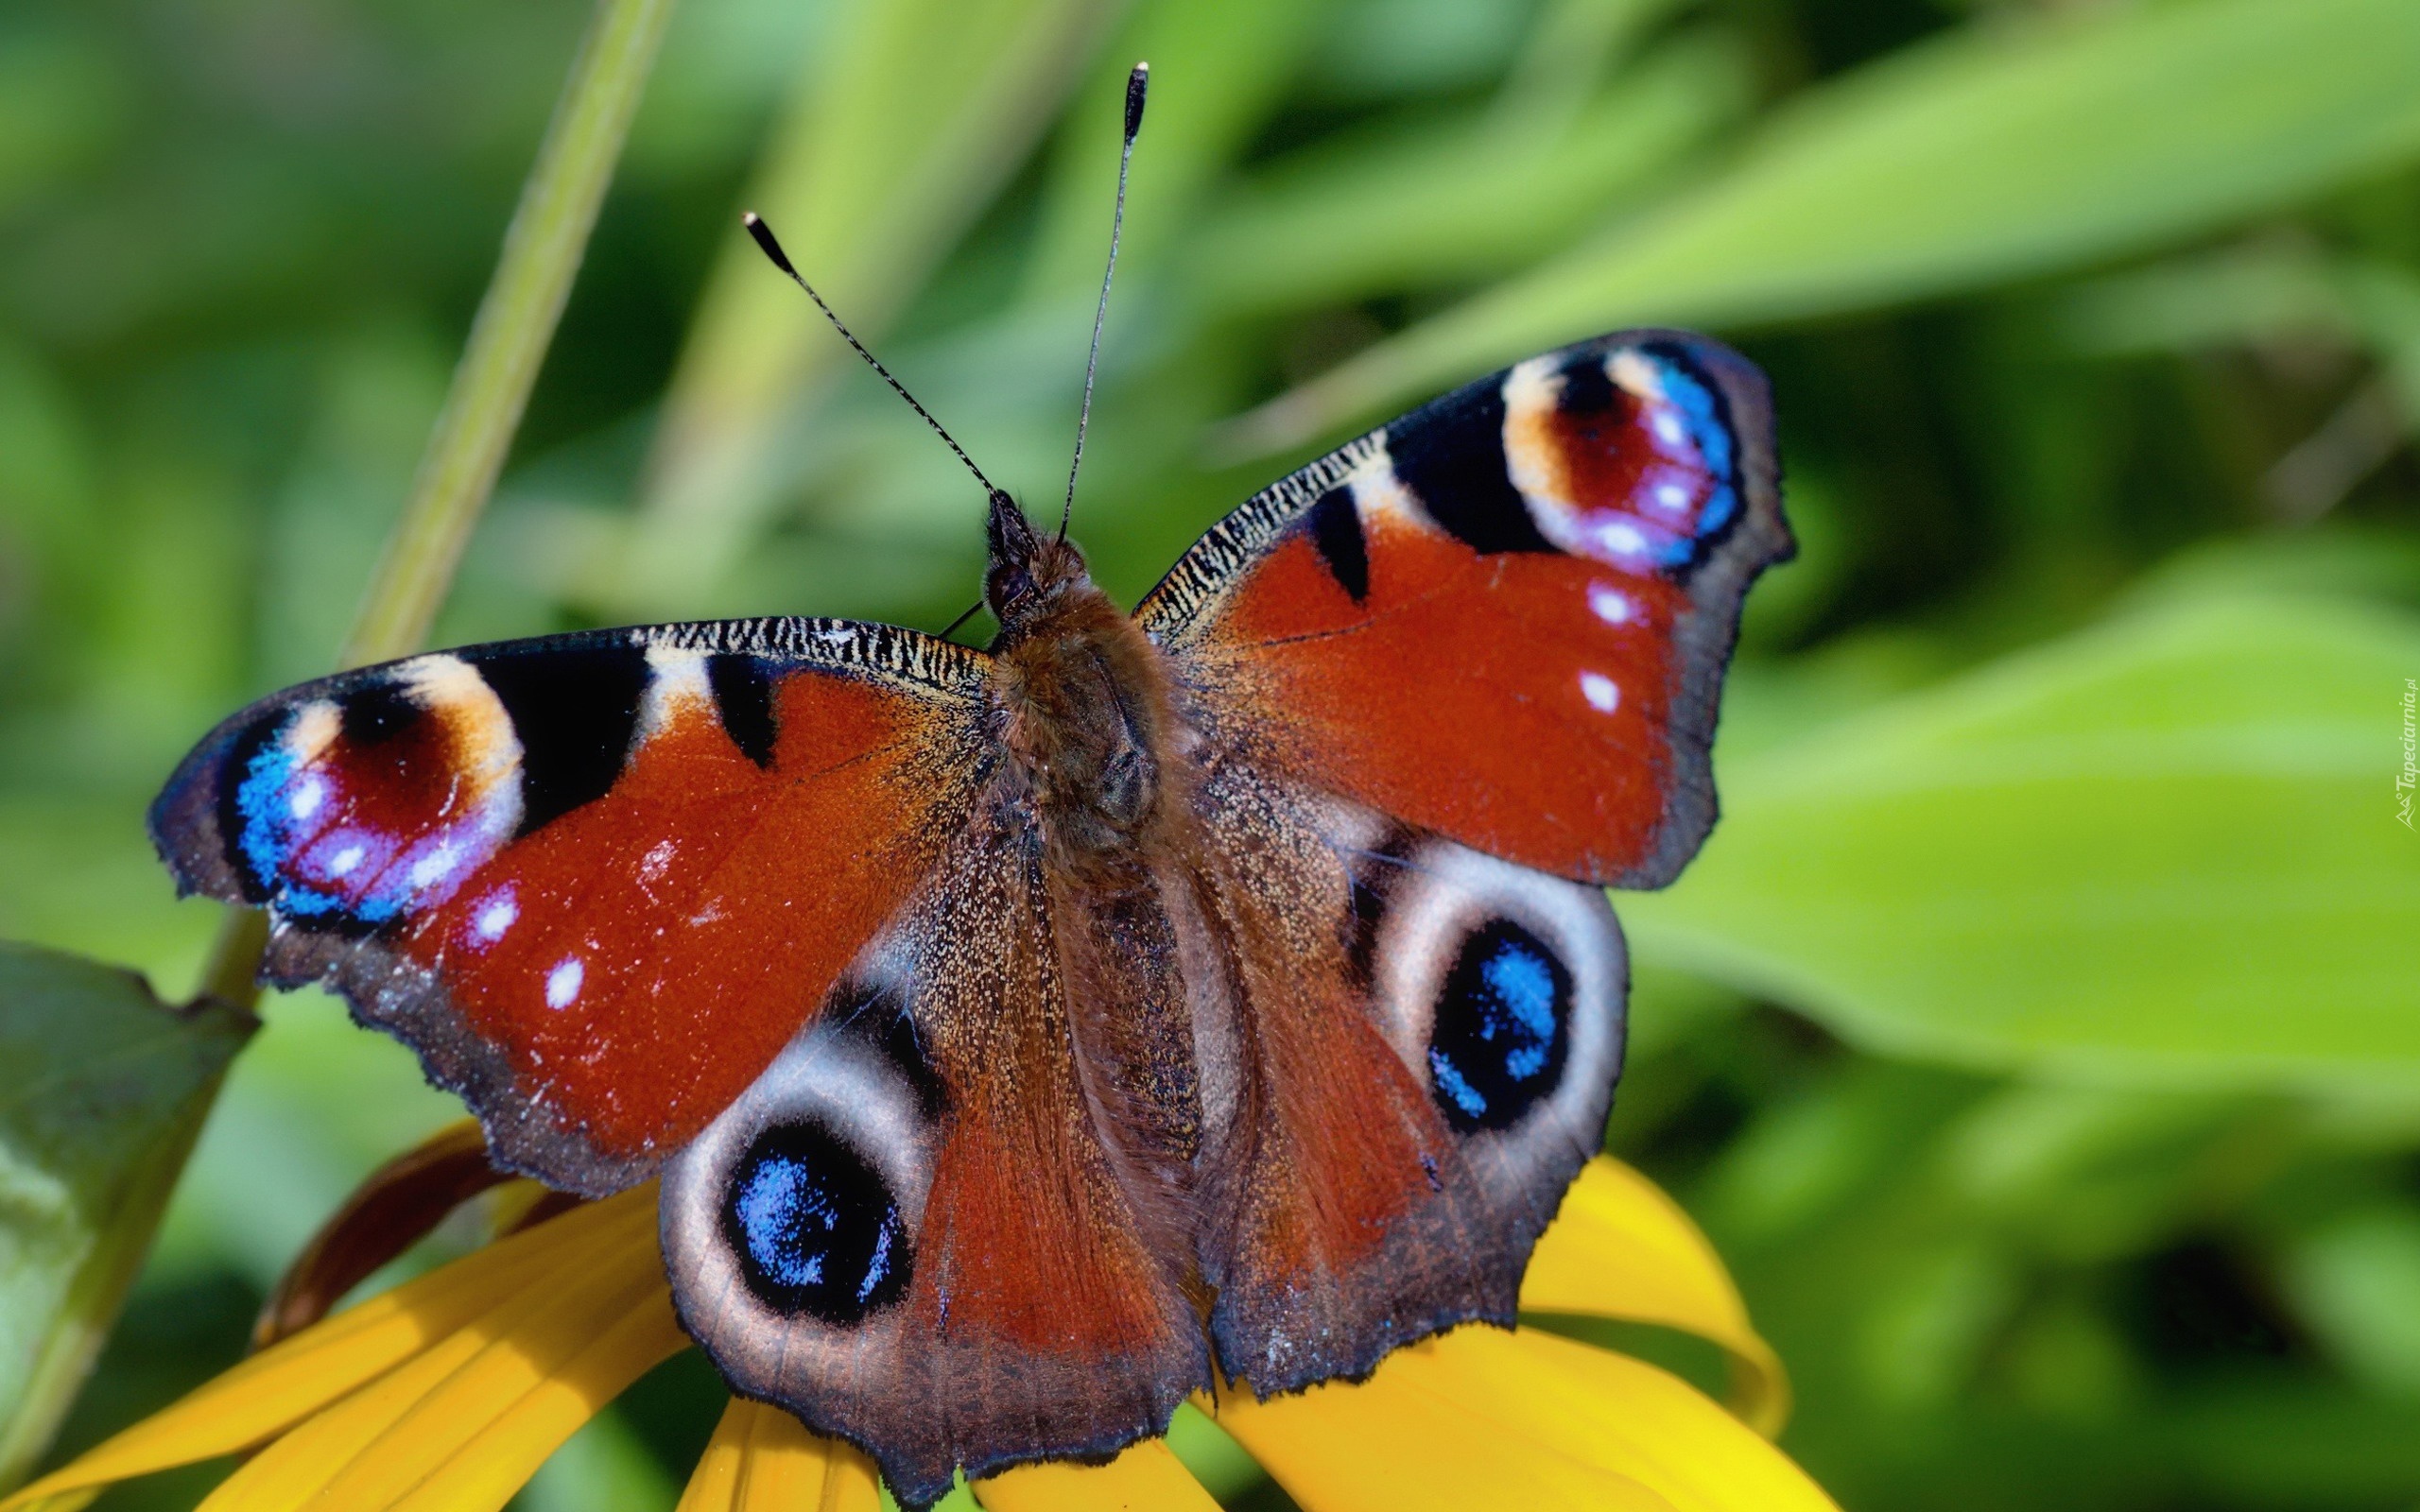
1392, 1444
1611, 1410
595, 1330
760, 1460
1620, 1248
850, 1484
1145, 1478
297, 1376
714, 1484
291, 1470
499, 1460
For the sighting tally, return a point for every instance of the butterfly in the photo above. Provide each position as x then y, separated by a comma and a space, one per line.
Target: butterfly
1029, 1038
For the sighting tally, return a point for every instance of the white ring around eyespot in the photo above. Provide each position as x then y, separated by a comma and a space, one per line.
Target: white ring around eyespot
838, 1079
1446, 892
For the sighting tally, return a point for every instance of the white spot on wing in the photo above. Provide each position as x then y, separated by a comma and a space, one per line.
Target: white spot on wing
433, 867
1622, 538
486, 780
1630, 367
1610, 604
307, 797
496, 917
562, 983
1533, 455
1602, 693
1534, 386
344, 861
315, 727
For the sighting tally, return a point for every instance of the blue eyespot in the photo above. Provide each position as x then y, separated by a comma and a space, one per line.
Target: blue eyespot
1711, 435
302, 858
1498, 1045
814, 1226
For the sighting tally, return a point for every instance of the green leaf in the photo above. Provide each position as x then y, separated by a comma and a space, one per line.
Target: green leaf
1393, 207
102, 1090
1998, 153
2165, 850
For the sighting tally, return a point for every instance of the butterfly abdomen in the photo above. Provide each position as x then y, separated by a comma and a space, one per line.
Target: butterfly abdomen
1095, 764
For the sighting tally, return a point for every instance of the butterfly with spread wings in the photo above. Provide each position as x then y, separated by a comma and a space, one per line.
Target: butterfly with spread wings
1029, 1038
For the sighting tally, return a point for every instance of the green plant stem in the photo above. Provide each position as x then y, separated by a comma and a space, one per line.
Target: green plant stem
500, 363
508, 344
232, 973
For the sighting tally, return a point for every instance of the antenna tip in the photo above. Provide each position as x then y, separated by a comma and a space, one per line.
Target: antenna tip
763, 235
1138, 84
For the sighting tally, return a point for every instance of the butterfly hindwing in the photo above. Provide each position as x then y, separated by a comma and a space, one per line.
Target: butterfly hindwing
1430, 1040
917, 1230
1505, 617
573, 872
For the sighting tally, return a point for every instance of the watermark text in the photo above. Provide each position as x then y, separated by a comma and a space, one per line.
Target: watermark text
2405, 779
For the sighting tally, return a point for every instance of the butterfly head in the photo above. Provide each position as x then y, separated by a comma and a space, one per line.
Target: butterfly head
1030, 574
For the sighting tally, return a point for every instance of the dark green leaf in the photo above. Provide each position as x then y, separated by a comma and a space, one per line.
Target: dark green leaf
102, 1090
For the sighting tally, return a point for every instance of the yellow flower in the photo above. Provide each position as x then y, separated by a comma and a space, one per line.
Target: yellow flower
448, 1392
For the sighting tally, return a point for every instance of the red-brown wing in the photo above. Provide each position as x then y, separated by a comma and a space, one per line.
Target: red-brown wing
1450, 679
1427, 1040
1505, 617
914, 1231
595, 881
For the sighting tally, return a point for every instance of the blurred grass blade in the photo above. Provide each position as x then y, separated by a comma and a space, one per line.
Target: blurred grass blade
2165, 850
102, 1092
515, 324
1395, 208
2235, 297
543, 248
902, 132
2385, 304
1572, 45
1998, 153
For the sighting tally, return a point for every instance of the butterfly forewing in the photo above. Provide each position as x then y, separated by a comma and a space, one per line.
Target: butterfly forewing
1505, 617
1446, 679
596, 881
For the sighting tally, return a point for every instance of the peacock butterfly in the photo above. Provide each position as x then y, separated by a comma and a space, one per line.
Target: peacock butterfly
1029, 1038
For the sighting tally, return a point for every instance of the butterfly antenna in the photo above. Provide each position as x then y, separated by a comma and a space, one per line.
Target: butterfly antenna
1138, 84
763, 235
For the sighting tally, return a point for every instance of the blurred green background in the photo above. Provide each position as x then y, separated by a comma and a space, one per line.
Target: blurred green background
2039, 1035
